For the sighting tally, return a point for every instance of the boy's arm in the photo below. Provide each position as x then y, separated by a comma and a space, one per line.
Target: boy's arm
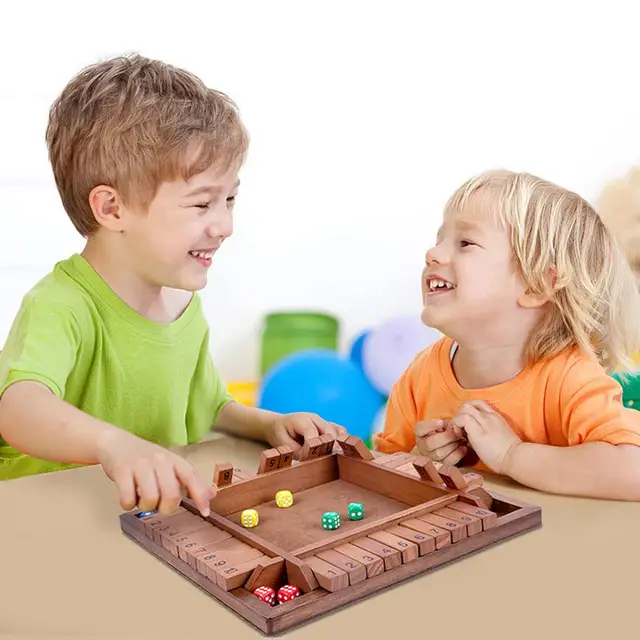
274, 428
38, 423
245, 422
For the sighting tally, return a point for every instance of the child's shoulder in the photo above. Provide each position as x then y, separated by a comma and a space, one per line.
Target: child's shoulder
571, 370
428, 360
59, 291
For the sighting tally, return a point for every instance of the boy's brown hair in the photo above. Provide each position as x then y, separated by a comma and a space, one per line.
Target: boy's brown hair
130, 122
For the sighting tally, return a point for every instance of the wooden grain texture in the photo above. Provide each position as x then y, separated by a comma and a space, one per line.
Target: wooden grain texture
517, 518
350, 565
388, 482
262, 488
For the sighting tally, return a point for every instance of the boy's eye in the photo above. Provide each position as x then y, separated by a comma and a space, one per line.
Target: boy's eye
466, 243
204, 205
231, 199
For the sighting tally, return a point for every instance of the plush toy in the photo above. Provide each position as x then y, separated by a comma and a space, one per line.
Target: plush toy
619, 208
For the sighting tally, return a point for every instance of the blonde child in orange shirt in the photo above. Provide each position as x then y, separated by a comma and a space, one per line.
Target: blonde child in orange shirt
537, 304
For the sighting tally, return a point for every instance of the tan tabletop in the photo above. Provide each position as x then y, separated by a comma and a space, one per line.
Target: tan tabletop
67, 570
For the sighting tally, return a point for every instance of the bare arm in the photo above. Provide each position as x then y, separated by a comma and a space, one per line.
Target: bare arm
594, 469
38, 423
246, 422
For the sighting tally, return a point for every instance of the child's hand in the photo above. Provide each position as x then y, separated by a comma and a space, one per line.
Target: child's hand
488, 433
149, 476
289, 429
441, 441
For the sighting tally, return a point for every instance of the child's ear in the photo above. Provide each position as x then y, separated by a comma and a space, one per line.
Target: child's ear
531, 300
106, 206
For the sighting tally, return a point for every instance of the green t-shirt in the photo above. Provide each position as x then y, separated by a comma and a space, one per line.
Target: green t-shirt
77, 337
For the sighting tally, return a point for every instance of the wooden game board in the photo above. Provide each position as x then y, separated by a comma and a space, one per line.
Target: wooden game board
418, 515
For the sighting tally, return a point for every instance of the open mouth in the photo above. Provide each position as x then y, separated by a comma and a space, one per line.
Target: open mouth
437, 285
203, 256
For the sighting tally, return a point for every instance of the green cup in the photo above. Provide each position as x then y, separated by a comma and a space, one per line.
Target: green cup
284, 333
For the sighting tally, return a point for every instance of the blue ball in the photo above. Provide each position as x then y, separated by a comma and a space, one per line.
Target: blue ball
355, 355
321, 381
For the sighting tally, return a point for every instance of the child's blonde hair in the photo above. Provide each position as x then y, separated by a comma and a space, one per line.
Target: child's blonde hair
563, 250
130, 122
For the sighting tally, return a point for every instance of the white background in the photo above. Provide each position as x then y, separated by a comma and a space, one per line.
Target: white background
363, 116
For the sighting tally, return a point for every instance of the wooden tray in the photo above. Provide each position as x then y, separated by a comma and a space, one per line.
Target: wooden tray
418, 515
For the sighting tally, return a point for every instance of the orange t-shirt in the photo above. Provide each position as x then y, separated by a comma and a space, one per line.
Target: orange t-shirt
563, 401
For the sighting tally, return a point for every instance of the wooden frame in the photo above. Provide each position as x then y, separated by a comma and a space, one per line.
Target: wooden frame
418, 516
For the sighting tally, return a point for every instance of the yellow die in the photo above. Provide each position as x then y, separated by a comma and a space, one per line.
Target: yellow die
249, 518
284, 499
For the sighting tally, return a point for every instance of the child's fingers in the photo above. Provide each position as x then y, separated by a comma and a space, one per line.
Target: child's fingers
441, 453
442, 438
199, 492
170, 488
147, 488
426, 427
454, 458
335, 430
123, 479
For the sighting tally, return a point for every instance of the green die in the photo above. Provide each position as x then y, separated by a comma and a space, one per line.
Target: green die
330, 520
356, 512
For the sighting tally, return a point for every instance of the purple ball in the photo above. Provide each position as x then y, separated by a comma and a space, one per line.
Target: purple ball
390, 348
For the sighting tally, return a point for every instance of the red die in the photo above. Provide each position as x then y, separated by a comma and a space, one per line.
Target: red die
266, 594
287, 592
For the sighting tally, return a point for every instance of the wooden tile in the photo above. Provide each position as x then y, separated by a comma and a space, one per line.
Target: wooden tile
230, 558
269, 460
392, 557
458, 531
198, 540
286, 456
373, 563
222, 474
426, 543
478, 497
235, 575
356, 571
311, 449
354, 447
329, 577
169, 538
268, 572
452, 477
427, 470
441, 536
488, 518
473, 523
408, 550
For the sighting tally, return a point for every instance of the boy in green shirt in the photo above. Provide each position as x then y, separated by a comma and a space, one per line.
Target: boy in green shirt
108, 359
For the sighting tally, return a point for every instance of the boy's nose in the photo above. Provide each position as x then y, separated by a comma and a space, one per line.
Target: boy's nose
432, 255
221, 227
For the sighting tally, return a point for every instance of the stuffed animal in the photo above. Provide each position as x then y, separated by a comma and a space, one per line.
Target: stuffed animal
619, 208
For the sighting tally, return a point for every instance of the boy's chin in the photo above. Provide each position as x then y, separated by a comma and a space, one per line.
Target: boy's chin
430, 317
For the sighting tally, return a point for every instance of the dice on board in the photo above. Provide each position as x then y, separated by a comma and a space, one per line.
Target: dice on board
330, 520
249, 518
266, 594
356, 512
284, 499
287, 592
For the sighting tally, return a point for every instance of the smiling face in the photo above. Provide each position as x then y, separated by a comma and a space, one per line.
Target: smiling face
173, 242
471, 289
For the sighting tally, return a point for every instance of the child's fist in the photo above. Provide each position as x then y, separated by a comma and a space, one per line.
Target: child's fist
488, 433
151, 477
441, 441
